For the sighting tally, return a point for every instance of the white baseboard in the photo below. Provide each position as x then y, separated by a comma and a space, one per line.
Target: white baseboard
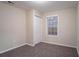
17, 47
30, 44
12, 48
36, 43
59, 44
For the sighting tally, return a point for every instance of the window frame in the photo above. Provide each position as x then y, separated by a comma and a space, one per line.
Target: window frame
57, 26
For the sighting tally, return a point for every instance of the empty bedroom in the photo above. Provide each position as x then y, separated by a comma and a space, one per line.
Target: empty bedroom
39, 28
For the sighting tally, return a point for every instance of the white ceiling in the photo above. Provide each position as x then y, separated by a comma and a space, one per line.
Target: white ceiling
46, 6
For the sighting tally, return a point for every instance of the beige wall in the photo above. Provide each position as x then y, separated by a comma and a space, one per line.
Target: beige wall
66, 28
12, 27
16, 27
30, 27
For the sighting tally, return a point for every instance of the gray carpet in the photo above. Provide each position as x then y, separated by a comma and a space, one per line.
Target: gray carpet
42, 50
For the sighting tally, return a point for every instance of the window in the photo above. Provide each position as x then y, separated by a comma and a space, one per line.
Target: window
52, 23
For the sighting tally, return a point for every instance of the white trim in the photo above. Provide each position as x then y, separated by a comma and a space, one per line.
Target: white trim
59, 44
30, 44
34, 43
13, 48
57, 27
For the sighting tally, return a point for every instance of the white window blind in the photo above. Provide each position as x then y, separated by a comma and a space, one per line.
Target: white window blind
52, 23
